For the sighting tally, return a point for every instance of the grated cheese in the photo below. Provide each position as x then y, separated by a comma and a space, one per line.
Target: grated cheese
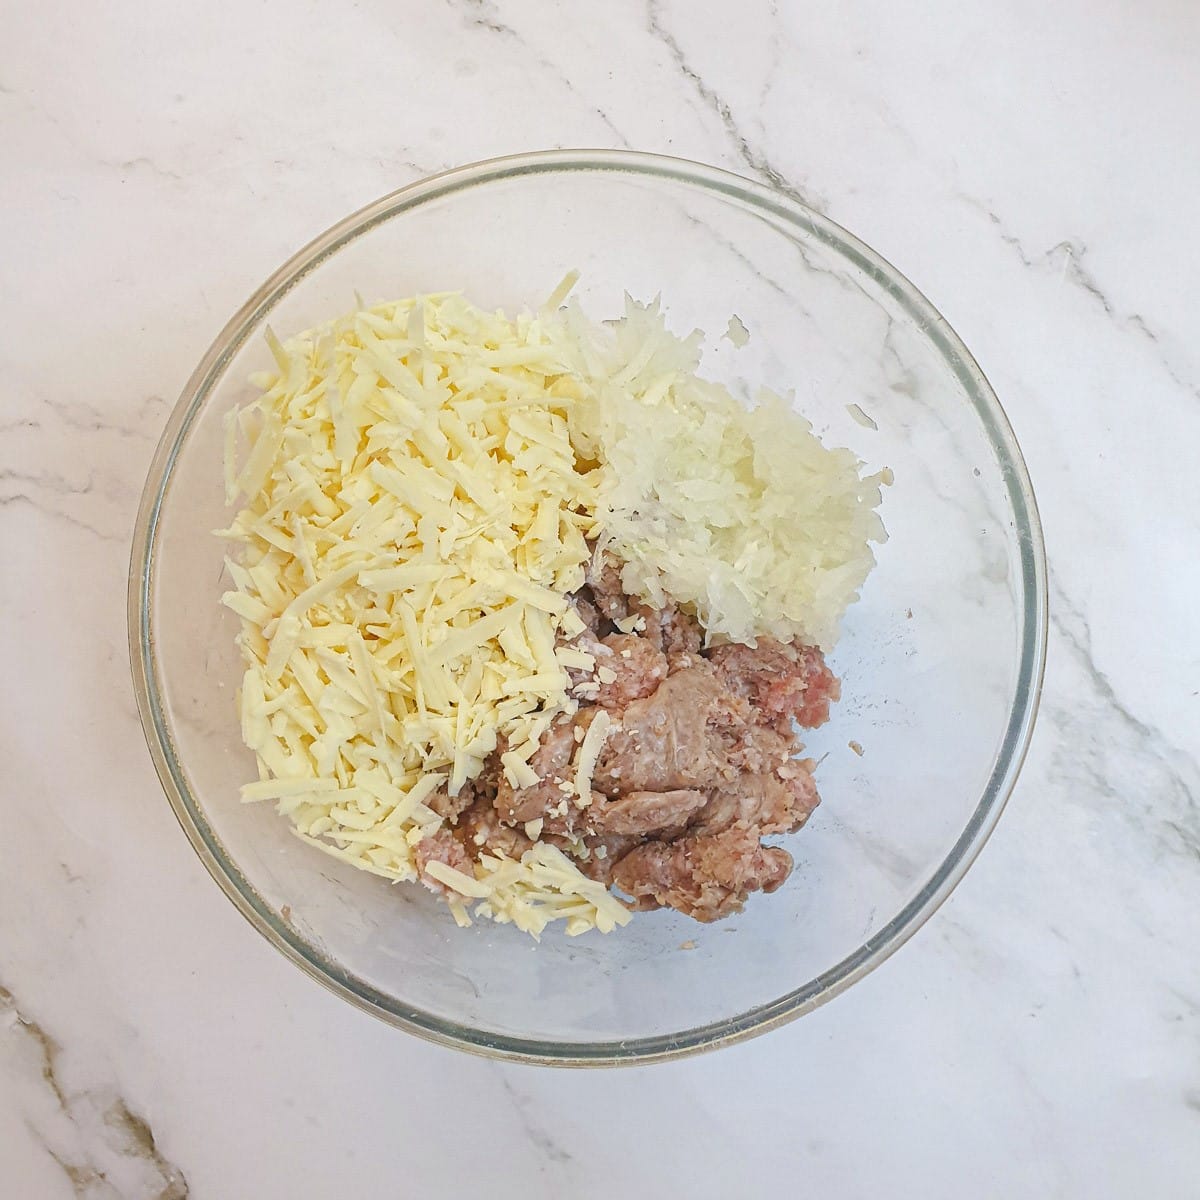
412, 523
466, 885
588, 753
546, 885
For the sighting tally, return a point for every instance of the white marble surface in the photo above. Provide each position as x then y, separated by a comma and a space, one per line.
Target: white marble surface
1033, 168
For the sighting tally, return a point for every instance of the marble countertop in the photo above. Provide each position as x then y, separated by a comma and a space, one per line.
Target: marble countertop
1033, 168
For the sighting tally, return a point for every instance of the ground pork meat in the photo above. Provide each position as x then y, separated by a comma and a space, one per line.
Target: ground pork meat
666, 741
705, 876
480, 830
774, 803
759, 749
449, 807
699, 765
645, 812
440, 846
589, 614
487, 782
784, 679
636, 666
603, 854
604, 581
681, 637
547, 799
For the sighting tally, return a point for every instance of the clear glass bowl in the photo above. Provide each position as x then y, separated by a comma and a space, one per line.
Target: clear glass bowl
941, 660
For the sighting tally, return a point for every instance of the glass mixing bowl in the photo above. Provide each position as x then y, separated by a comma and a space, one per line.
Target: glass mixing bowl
941, 660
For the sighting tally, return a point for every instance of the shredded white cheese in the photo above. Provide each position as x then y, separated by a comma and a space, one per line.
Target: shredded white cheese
587, 755
412, 522
465, 885
544, 886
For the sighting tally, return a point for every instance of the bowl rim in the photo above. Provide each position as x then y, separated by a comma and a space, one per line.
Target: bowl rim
1009, 757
